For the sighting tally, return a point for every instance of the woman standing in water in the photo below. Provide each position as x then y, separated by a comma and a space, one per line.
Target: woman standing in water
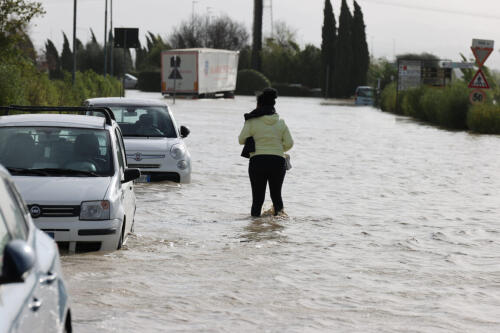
267, 163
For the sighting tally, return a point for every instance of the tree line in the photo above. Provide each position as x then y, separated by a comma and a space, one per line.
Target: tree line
345, 59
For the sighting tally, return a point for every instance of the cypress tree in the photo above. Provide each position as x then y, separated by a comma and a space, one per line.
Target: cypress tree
361, 57
53, 61
329, 39
66, 56
257, 34
342, 78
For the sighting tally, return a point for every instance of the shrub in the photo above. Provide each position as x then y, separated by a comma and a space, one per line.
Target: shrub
411, 103
484, 118
250, 81
388, 98
454, 106
431, 103
149, 81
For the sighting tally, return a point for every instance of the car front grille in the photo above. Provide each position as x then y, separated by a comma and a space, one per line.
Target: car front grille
144, 166
55, 211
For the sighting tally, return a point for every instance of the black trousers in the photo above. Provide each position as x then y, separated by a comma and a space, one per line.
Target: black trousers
265, 169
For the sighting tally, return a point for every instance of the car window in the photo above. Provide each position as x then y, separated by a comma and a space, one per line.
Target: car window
120, 150
144, 121
12, 212
365, 92
4, 237
56, 148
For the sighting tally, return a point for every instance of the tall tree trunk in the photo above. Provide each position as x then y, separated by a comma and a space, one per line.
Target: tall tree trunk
257, 34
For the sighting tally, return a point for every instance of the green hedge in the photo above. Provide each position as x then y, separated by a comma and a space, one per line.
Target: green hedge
250, 81
447, 107
388, 98
26, 85
149, 81
484, 118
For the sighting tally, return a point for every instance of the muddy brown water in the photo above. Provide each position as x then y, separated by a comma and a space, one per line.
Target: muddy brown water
393, 226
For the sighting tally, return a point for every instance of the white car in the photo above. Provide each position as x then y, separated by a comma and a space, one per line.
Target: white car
72, 172
33, 296
153, 141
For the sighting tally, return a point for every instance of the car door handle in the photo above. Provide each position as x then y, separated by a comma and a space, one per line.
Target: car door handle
35, 304
49, 279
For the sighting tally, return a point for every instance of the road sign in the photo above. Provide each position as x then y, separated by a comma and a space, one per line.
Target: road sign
449, 64
483, 43
409, 74
481, 54
477, 96
127, 38
479, 81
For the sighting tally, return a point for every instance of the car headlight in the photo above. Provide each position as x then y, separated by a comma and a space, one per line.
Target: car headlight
94, 210
178, 151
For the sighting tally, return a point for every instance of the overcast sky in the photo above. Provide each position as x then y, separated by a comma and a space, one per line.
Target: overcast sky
442, 27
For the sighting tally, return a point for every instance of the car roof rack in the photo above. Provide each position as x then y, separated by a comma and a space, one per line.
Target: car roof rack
105, 111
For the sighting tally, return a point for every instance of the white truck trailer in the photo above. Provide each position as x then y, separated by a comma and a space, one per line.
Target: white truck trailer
199, 72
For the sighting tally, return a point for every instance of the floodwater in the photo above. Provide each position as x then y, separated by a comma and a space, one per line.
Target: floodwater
392, 226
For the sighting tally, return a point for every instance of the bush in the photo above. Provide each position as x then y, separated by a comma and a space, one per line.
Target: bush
149, 81
446, 107
388, 98
484, 118
454, 106
250, 81
411, 103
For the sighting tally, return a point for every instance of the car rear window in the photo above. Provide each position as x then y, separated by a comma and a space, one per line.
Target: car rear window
365, 92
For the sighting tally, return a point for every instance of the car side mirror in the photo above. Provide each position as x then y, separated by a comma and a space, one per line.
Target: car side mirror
18, 260
184, 131
131, 174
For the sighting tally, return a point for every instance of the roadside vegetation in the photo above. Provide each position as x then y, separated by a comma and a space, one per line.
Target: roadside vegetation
29, 81
447, 107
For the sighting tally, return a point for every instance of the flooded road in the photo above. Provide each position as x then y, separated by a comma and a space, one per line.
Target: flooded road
393, 226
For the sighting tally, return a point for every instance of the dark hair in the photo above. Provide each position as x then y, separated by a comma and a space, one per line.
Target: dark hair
260, 100
268, 96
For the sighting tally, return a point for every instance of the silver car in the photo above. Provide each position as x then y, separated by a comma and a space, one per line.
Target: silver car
33, 296
153, 141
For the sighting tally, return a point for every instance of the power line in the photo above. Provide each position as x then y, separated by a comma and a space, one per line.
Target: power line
433, 9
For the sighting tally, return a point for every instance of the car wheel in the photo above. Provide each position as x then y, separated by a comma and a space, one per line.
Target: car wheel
68, 327
122, 234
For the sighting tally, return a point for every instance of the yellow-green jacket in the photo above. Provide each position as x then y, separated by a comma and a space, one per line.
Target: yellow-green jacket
270, 133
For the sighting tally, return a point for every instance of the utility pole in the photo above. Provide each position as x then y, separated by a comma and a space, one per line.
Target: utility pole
105, 37
113, 39
192, 10
269, 6
74, 42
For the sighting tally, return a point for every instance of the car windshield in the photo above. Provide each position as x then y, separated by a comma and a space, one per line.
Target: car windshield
56, 151
147, 121
365, 92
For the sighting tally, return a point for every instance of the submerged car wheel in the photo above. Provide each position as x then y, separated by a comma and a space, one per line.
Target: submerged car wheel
122, 236
120, 241
68, 328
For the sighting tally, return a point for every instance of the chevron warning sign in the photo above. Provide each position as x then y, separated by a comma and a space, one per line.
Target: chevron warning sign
479, 81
